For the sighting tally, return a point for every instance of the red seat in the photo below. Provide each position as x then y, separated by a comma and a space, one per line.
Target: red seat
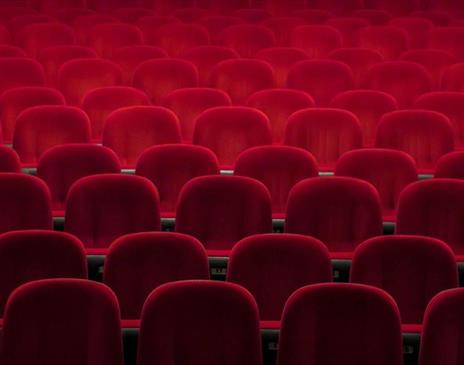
221, 210
349, 28
132, 14
9, 160
417, 29
190, 14
453, 78
46, 6
337, 7
105, 39
8, 12
396, 264
100, 102
15, 72
252, 15
129, 131
189, 103
340, 211
369, 106
373, 16
438, 17
25, 203
277, 167
103, 207
40, 127
273, 266
161, 76
448, 39
69, 15
17, 24
448, 6
195, 310
316, 40
450, 166
390, 171
149, 25
282, 27
278, 105
360, 60
228, 131
425, 135
138, 263
215, 24
105, 6
322, 79
83, 25
14, 101
311, 16
397, 7
170, 167
405, 81
360, 325
326, 133
389, 41
36, 37
247, 39
38, 254
77, 77
11, 51
62, 165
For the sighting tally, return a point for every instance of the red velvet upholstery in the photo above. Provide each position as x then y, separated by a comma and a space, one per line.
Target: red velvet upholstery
200, 322
337, 7
277, 167
373, 16
425, 135
9, 11
190, 14
310, 16
228, 131
273, 266
62, 165
417, 30
32, 255
412, 269
453, 78
62, 321
83, 25
396, 7
14, 101
390, 171
132, 14
24, 203
389, 41
282, 27
443, 325
438, 17
68, 15
106, 38
242, 77
247, 39
322, 79
448, 39
169, 167
221, 210
316, 40
101, 208
11, 51
159, 77
340, 324
340, 211
149, 25
326, 133
140, 262
18, 23
215, 24
129, 131
5, 37
77, 77
16, 72
100, 102
434, 208
51, 5
360, 60
40, 127
450, 165
9, 160
189, 103
349, 28
252, 15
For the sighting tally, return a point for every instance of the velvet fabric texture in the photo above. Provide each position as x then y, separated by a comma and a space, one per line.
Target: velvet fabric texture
247, 39
450, 165
17, 71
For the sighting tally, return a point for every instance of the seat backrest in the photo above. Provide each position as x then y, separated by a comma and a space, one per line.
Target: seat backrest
388, 40
450, 166
106, 38
417, 29
316, 40
453, 78
83, 25
247, 39
16, 72
282, 27
348, 27
9, 160
448, 39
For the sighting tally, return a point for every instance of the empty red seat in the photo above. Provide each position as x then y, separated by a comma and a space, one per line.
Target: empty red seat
389, 41
316, 40
215, 24
161, 76
38, 254
448, 6
337, 7
103, 207
369, 106
282, 27
100, 102
132, 14
5, 37
62, 165
52, 58
40, 127
83, 25
15, 72
322, 79
45, 6
138, 263
60, 321
130, 57
404, 80
149, 25
247, 39
228, 131
396, 264
11, 51
17, 24
190, 14
373, 16
450, 166
9, 160
25, 203
310, 16
453, 78
105, 6
252, 15
348, 28
417, 29
170, 167
277, 167
361, 324
195, 310
281, 59
390, 171
106, 38
189, 103
129, 131
278, 105
425, 135
36, 37
326, 133
396, 7
360, 60
273, 266
448, 39
69, 15
340, 211
221, 210
14, 101
438, 17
